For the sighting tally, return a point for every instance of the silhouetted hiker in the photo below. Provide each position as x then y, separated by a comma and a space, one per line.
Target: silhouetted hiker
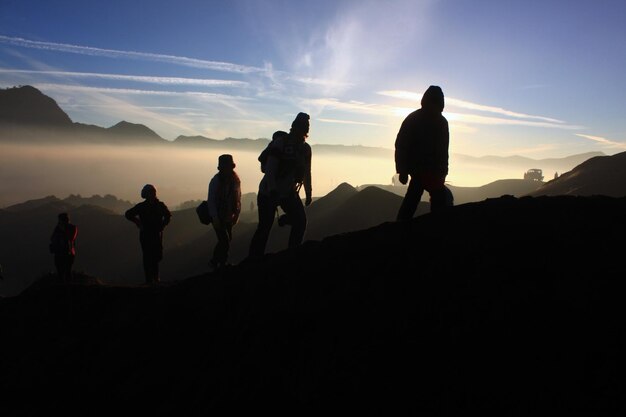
224, 202
62, 245
422, 153
151, 216
286, 163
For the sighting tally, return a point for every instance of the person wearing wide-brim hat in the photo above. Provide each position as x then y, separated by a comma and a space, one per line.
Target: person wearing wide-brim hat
224, 201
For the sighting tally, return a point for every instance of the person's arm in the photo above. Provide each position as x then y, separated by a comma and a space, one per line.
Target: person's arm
401, 156
308, 185
441, 149
132, 214
445, 154
72, 232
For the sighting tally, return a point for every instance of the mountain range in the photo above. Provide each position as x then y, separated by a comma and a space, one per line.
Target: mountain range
108, 244
108, 247
28, 114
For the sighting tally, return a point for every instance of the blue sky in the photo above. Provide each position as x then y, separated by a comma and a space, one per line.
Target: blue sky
533, 78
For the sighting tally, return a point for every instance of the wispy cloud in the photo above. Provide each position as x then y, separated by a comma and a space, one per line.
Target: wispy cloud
454, 118
349, 106
319, 81
129, 91
356, 42
146, 56
348, 122
119, 108
603, 141
485, 120
497, 110
267, 70
133, 78
130, 104
453, 102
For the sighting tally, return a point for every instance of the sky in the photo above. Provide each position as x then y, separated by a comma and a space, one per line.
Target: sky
537, 78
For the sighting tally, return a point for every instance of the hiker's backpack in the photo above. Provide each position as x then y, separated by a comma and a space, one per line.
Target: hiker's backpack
290, 153
203, 213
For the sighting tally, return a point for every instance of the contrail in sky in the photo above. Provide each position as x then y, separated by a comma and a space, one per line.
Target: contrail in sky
113, 53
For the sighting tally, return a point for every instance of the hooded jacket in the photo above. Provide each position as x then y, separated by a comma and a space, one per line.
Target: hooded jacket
423, 139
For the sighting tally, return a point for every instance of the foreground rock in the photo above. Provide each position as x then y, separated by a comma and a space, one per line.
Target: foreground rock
507, 307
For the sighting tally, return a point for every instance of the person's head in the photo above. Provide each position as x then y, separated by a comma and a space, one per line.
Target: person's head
148, 192
225, 163
279, 134
63, 218
433, 99
300, 125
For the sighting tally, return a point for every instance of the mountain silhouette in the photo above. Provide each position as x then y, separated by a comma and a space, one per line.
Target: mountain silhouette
108, 202
604, 175
187, 244
332, 200
358, 210
256, 145
26, 114
136, 131
26, 105
462, 195
108, 246
502, 307
548, 165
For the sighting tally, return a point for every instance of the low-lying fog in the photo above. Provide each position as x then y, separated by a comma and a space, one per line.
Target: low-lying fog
179, 173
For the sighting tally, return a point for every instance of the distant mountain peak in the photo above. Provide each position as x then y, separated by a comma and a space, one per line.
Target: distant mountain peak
26, 105
343, 188
125, 128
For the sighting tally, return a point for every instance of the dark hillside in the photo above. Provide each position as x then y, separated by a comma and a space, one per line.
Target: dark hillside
451, 314
28, 106
601, 175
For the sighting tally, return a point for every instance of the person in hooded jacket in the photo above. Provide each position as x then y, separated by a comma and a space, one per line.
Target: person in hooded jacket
151, 216
288, 168
422, 153
224, 201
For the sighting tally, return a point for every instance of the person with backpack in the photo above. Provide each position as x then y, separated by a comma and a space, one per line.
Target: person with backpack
224, 203
286, 163
151, 216
62, 245
422, 152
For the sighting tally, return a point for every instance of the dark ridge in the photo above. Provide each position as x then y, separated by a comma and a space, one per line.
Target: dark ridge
26, 105
600, 175
504, 307
125, 128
